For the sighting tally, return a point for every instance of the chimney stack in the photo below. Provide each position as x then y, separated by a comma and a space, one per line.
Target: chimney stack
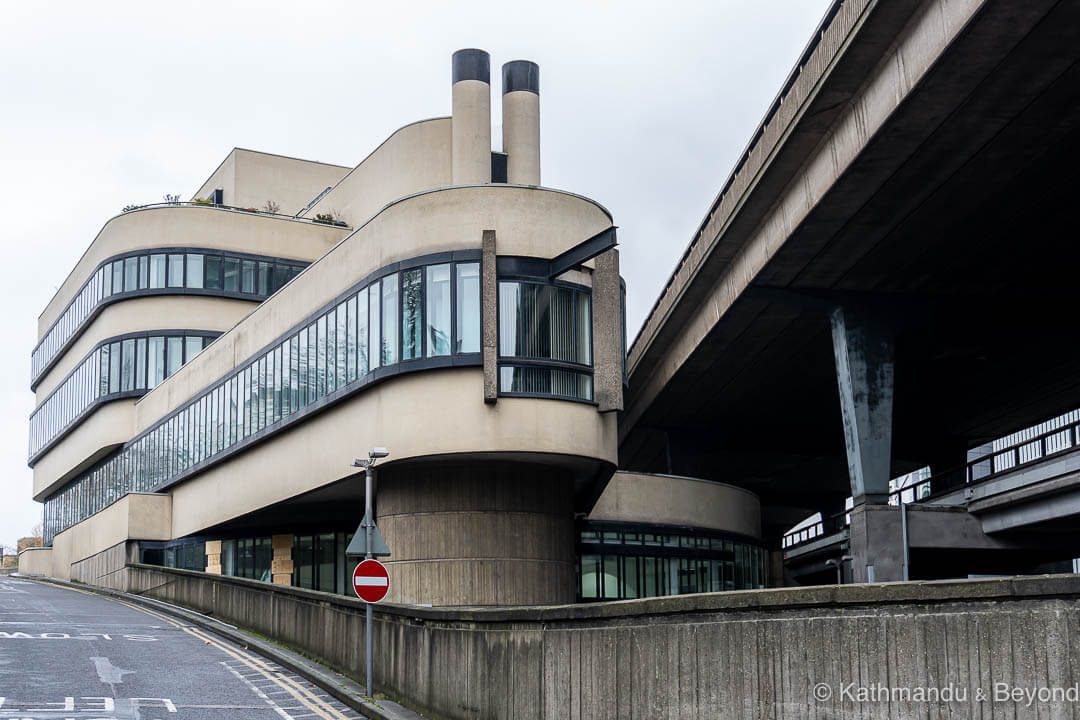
471, 118
521, 121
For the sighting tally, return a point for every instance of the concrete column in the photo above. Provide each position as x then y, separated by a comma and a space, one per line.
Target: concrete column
877, 543
281, 564
471, 118
489, 318
607, 332
213, 557
864, 355
478, 532
521, 121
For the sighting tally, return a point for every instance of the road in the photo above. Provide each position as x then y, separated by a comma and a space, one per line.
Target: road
67, 653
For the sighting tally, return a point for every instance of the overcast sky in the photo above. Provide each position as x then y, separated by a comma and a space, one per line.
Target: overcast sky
645, 108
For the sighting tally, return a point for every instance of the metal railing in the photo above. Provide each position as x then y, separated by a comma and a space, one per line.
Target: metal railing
218, 206
1020, 454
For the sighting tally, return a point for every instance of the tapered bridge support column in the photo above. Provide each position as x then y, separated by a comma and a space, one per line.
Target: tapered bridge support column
864, 352
864, 372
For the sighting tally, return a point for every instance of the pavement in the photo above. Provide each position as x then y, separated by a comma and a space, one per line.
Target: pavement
66, 652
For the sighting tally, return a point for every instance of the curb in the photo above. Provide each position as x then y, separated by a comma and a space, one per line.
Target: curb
339, 686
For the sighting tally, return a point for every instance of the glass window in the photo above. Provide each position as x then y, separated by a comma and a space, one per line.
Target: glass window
350, 339
193, 345
106, 291
174, 355
320, 358
247, 283
281, 276
326, 562
232, 274
362, 333
118, 276
302, 367
411, 322
157, 271
264, 278
468, 308
194, 270
212, 277
341, 350
144, 277
374, 313
437, 325
131, 274
140, 364
294, 373
103, 374
176, 270
389, 320
156, 361
114, 367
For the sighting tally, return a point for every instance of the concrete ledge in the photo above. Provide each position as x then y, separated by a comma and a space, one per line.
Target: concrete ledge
339, 686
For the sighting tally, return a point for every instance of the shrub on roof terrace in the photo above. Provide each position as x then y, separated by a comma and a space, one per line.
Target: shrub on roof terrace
329, 219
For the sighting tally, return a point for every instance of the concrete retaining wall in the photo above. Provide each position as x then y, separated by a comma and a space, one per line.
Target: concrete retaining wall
760, 653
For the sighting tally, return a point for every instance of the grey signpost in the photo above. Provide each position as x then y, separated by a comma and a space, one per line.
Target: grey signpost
369, 542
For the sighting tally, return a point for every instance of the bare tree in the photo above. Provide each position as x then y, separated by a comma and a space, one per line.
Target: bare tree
35, 531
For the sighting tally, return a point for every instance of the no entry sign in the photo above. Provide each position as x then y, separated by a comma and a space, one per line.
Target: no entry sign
371, 581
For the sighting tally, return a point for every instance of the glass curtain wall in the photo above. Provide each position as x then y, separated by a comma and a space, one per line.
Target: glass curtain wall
545, 340
314, 362
120, 368
623, 562
149, 272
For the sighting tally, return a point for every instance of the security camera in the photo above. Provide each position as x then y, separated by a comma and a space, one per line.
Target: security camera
378, 452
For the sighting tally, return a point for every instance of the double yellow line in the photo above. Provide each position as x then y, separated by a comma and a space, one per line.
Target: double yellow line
301, 694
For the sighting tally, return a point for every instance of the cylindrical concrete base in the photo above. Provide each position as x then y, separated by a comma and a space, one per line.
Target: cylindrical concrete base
485, 533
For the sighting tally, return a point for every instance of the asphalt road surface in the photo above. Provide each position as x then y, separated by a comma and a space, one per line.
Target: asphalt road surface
73, 654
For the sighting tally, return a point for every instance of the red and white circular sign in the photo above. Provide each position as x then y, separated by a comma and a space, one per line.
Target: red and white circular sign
371, 581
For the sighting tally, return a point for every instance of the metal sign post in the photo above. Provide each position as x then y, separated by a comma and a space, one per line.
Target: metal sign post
373, 544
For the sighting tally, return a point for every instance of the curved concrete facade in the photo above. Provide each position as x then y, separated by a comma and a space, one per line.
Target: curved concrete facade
495, 444
680, 502
499, 532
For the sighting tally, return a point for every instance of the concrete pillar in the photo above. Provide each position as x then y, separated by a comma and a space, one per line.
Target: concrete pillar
607, 332
470, 151
213, 557
877, 543
521, 121
478, 532
489, 318
864, 355
281, 564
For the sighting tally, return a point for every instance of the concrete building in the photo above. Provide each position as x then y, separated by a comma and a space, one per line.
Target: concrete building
210, 368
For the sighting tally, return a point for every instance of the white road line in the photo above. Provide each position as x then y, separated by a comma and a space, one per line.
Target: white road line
276, 708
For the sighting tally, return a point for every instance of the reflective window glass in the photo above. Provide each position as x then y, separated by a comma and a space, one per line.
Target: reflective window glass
144, 276
264, 278
231, 267
468, 307
140, 364
437, 319
212, 276
194, 270
247, 283
176, 270
174, 355
193, 345
389, 320
374, 356
362, 333
157, 271
156, 361
412, 334
118, 276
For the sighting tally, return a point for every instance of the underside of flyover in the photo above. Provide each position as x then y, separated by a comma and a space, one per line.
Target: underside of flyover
956, 229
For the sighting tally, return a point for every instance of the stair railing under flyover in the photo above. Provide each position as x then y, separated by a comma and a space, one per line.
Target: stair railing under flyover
1022, 453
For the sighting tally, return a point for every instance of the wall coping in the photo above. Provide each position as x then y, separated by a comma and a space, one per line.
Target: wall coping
771, 599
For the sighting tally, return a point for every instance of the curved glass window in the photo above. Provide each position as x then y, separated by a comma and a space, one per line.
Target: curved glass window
116, 368
545, 340
394, 322
203, 271
623, 561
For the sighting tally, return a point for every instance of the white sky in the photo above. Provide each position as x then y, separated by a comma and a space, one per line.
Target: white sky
645, 107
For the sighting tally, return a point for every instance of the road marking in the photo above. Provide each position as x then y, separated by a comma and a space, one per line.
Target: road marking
276, 708
109, 673
304, 696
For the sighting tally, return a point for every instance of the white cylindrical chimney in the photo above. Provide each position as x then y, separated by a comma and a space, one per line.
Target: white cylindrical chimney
521, 121
471, 123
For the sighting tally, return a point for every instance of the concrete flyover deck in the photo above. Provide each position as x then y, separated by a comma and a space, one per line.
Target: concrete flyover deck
916, 177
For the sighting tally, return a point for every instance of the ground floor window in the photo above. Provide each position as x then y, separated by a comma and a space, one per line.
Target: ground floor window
631, 561
247, 557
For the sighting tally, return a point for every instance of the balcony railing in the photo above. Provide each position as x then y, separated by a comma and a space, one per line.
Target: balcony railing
1017, 455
